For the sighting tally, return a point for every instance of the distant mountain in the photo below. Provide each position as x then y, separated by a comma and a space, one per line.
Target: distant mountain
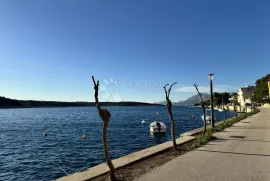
190, 101
193, 100
13, 103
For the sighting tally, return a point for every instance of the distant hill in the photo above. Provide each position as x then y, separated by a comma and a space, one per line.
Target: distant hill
13, 103
190, 101
162, 102
193, 100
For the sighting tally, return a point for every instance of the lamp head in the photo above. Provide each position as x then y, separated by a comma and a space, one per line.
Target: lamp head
211, 76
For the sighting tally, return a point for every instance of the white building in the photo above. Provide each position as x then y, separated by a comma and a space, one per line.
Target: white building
245, 94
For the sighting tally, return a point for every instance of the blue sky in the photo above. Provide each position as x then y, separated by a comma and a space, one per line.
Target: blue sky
50, 49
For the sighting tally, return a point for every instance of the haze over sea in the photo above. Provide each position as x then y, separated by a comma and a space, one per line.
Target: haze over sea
26, 154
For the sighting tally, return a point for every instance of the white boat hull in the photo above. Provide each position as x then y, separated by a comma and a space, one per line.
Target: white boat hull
208, 119
154, 128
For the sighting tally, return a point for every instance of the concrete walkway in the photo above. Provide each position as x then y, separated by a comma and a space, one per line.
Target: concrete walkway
241, 153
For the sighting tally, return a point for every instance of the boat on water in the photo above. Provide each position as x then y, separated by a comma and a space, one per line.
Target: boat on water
222, 106
208, 118
215, 109
157, 126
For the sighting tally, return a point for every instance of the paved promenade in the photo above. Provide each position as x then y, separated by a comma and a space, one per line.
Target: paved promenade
241, 153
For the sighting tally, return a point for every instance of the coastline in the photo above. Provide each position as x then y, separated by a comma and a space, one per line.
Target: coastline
77, 106
6, 103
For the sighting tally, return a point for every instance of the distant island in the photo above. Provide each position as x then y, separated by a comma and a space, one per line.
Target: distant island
13, 103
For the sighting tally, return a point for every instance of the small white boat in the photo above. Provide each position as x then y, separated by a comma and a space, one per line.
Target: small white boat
208, 118
143, 122
215, 109
157, 126
218, 109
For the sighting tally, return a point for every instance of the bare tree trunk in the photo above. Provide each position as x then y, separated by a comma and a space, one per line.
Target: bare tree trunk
204, 120
203, 108
106, 152
105, 116
235, 110
240, 109
169, 108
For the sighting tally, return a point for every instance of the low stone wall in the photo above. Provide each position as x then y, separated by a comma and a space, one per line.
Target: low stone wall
124, 161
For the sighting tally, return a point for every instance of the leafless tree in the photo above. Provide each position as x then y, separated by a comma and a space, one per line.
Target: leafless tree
240, 108
105, 116
169, 108
225, 113
203, 108
246, 104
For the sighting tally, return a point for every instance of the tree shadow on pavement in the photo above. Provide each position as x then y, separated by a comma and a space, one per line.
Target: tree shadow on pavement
235, 153
249, 127
227, 139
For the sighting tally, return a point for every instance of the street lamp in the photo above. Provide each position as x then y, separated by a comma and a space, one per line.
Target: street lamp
269, 90
211, 77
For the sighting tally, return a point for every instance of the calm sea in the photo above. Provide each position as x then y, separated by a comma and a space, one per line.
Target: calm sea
26, 154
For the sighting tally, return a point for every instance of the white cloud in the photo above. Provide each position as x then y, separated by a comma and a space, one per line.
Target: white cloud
206, 89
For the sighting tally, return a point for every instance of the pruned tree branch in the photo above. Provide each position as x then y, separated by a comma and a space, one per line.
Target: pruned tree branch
166, 93
169, 108
103, 113
196, 86
203, 108
169, 91
96, 87
105, 116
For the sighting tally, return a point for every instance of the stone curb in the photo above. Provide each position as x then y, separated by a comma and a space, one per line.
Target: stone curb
200, 130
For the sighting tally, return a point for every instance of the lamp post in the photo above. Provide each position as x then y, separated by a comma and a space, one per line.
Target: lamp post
211, 76
269, 90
